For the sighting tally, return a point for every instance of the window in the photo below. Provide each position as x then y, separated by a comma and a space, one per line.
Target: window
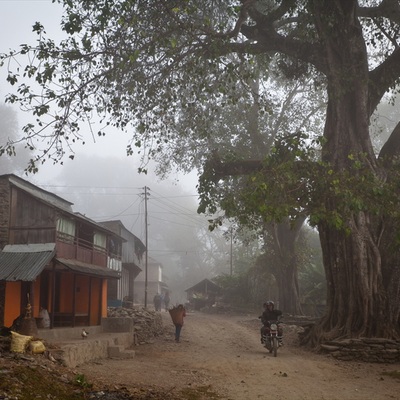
100, 240
66, 229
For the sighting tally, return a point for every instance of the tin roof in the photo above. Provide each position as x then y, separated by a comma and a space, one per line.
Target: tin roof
204, 286
24, 262
88, 269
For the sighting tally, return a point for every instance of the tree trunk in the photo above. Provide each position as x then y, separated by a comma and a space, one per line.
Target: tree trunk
357, 298
285, 239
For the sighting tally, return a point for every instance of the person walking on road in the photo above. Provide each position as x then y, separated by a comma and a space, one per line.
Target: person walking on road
157, 302
177, 315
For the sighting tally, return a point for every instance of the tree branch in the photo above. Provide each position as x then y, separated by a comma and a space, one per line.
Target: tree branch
265, 34
391, 148
382, 78
220, 170
389, 9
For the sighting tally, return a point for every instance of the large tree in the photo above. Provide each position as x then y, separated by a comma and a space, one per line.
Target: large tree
146, 62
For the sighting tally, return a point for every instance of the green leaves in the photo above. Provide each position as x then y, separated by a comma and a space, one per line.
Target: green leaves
291, 183
73, 23
12, 79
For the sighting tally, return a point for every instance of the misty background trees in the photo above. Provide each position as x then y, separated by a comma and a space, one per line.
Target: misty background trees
203, 85
16, 157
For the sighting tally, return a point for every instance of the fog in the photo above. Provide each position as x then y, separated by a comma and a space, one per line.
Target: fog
109, 188
103, 183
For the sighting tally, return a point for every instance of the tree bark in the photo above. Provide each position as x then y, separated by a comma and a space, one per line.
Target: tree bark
357, 297
285, 238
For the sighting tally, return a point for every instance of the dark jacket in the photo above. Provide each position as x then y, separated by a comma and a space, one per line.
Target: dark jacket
270, 315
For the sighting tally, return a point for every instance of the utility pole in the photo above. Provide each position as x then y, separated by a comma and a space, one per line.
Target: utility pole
231, 251
147, 246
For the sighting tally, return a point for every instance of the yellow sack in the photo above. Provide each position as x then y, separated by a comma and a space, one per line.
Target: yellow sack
19, 343
37, 347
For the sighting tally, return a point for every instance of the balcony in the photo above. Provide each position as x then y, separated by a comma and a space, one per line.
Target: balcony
78, 249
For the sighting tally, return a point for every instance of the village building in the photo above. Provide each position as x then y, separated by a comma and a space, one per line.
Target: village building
121, 292
52, 258
155, 283
202, 294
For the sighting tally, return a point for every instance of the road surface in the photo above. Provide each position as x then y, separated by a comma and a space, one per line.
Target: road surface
223, 356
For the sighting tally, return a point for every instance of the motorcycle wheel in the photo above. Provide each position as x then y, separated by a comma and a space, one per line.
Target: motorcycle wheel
275, 346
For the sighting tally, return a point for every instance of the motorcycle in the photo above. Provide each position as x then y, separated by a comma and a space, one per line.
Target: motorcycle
271, 337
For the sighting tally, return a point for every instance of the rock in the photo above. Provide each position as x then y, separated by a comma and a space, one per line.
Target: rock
329, 348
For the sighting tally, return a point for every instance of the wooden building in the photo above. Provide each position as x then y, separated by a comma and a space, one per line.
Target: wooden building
203, 294
122, 292
52, 258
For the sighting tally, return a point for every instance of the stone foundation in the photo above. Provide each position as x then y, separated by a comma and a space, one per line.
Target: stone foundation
374, 350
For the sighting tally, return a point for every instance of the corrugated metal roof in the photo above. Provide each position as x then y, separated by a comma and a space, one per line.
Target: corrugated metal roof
24, 262
204, 286
88, 269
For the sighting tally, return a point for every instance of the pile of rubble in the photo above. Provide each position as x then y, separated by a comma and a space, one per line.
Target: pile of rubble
147, 324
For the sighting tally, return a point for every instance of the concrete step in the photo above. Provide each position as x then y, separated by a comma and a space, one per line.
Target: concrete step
76, 352
72, 350
120, 352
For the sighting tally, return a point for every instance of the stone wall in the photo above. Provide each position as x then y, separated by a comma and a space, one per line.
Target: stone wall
146, 324
374, 350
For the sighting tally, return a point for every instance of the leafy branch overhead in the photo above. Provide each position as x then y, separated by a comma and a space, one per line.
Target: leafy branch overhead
287, 183
141, 66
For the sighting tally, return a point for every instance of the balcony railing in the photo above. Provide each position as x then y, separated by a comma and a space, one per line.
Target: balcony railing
81, 250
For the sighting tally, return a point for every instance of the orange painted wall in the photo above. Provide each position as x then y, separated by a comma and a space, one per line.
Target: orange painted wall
66, 293
95, 302
82, 294
50, 292
36, 303
98, 301
104, 300
13, 302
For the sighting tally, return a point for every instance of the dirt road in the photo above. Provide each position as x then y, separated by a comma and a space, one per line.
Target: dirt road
223, 356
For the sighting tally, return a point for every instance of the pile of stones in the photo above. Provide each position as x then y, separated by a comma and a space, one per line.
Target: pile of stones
147, 324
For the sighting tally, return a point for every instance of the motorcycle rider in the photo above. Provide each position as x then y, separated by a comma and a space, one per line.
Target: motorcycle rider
270, 314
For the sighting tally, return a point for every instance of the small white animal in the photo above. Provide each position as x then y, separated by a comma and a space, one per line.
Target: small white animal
84, 333
50, 356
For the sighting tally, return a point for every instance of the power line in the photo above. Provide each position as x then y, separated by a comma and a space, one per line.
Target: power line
92, 187
109, 187
198, 221
171, 222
